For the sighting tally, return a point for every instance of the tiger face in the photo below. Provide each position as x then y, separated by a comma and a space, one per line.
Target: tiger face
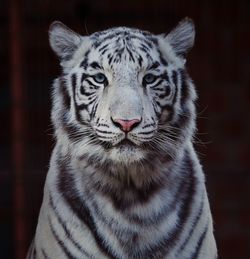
124, 93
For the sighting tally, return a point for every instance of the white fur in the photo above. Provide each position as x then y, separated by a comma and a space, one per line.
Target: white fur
94, 166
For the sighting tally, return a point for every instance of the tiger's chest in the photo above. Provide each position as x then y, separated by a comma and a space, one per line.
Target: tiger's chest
136, 230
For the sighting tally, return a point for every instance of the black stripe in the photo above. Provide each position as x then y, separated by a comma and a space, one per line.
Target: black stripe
83, 90
165, 212
104, 51
124, 194
189, 235
64, 93
96, 41
73, 85
67, 189
148, 125
105, 137
144, 44
170, 110
131, 36
159, 89
146, 138
130, 54
155, 65
156, 106
187, 204
60, 242
175, 81
148, 41
144, 49
71, 129
167, 92
165, 76
184, 88
199, 244
32, 250
162, 247
91, 101
94, 109
34, 253
158, 83
78, 108
103, 47
110, 58
73, 132
45, 254
165, 245
92, 84
66, 231
183, 120
168, 107
104, 131
162, 59
83, 77
90, 159
128, 194
102, 124
165, 88
140, 60
146, 133
95, 65
84, 63
110, 36
127, 238
81, 107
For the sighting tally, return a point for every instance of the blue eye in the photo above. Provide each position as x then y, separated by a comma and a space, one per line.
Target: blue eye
100, 78
149, 78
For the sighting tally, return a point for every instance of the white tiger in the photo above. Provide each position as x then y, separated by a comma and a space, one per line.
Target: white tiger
124, 180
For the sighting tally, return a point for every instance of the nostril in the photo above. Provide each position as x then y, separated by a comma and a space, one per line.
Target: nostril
126, 125
117, 124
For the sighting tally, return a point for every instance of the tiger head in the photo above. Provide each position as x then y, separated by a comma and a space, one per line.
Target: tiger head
124, 94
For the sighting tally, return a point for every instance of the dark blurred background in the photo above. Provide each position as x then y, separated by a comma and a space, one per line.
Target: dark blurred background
219, 65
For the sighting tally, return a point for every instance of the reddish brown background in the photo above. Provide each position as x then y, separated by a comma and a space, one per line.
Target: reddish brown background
219, 65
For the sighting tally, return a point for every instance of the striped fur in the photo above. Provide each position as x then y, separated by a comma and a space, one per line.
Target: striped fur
111, 193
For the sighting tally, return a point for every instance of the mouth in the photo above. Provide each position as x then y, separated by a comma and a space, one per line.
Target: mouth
126, 143
126, 152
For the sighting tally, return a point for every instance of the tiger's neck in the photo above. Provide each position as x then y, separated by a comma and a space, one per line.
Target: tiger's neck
124, 186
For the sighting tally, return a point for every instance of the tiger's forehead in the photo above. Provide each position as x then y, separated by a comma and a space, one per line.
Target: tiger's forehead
125, 33
123, 48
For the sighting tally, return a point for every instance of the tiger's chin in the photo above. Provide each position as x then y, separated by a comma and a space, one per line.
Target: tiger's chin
126, 152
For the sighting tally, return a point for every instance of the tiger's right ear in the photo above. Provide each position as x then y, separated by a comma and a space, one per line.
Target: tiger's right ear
63, 40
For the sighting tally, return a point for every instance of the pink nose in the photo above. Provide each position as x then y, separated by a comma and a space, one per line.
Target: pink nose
126, 125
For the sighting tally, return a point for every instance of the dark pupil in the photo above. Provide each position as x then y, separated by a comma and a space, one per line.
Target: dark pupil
100, 78
149, 78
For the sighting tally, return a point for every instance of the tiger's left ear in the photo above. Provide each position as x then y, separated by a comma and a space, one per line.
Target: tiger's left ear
181, 38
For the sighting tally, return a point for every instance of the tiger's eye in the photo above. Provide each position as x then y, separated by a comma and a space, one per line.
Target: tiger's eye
100, 78
149, 78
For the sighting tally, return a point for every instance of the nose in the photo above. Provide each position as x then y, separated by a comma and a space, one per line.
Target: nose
126, 125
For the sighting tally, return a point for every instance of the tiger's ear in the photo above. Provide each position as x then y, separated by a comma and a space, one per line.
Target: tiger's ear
63, 40
181, 38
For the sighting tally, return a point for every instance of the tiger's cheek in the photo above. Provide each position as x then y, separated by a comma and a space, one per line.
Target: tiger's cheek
166, 115
102, 110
